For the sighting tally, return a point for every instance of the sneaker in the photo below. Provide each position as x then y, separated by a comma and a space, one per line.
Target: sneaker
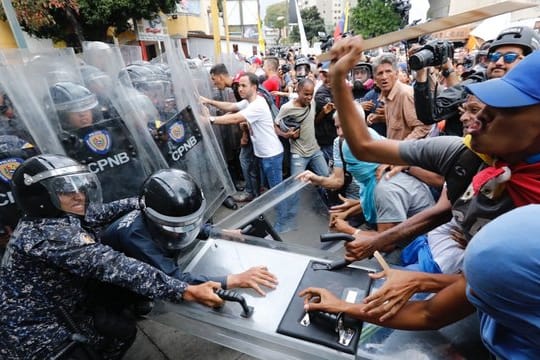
242, 197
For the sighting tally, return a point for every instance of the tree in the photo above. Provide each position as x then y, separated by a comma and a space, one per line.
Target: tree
276, 17
62, 19
313, 24
374, 17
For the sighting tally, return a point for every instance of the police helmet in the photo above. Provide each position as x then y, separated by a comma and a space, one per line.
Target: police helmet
175, 205
522, 36
72, 97
95, 79
302, 67
42, 182
149, 79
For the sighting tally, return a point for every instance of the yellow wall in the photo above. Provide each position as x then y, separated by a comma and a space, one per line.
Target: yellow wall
6, 37
185, 23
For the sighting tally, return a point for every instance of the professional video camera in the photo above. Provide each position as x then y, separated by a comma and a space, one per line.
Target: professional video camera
326, 41
434, 53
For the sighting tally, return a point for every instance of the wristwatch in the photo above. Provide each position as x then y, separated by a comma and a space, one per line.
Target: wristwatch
446, 72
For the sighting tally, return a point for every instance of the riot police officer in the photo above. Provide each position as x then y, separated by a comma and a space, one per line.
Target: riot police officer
104, 145
168, 225
53, 253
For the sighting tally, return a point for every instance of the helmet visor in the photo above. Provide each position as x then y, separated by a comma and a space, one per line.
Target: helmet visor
74, 193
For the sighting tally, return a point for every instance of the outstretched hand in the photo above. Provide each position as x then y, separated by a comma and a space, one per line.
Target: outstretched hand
253, 278
393, 295
318, 299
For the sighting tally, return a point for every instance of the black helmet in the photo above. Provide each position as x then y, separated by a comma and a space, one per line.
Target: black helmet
175, 205
40, 181
522, 36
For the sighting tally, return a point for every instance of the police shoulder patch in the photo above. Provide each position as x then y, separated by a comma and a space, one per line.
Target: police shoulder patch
8, 167
98, 141
177, 131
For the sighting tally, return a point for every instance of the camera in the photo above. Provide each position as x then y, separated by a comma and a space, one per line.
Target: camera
285, 68
434, 53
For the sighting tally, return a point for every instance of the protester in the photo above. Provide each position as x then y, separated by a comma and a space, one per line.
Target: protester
507, 129
505, 295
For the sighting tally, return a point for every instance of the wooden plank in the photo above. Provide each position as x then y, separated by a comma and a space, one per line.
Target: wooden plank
436, 25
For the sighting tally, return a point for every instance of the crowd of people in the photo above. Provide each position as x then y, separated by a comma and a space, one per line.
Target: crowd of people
439, 165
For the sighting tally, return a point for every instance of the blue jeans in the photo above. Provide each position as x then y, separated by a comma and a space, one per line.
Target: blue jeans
250, 169
328, 152
272, 168
315, 163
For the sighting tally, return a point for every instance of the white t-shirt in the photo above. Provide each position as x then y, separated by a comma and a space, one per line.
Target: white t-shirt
261, 128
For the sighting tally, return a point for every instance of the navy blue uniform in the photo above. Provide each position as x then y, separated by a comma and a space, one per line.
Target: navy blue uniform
47, 265
131, 236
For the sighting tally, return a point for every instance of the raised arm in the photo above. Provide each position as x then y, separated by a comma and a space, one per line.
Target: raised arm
345, 54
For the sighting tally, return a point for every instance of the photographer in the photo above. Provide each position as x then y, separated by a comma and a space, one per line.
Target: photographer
510, 46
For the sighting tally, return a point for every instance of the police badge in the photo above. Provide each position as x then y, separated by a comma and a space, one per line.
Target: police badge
177, 131
98, 141
8, 167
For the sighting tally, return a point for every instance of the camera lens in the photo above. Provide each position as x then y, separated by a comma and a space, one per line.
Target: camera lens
421, 59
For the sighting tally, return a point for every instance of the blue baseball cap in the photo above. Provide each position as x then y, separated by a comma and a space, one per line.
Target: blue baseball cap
519, 87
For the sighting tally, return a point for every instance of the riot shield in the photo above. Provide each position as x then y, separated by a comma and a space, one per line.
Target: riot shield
131, 54
186, 141
67, 118
262, 334
293, 210
16, 145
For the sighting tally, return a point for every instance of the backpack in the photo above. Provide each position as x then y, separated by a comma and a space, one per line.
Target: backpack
269, 100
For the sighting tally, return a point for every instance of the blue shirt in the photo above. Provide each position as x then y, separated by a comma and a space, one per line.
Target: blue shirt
131, 236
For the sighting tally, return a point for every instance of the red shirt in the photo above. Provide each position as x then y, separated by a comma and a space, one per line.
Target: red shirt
273, 83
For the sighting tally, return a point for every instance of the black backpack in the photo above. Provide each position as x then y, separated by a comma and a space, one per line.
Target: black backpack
269, 100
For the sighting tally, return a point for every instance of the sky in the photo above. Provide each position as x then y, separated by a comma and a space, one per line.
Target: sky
418, 8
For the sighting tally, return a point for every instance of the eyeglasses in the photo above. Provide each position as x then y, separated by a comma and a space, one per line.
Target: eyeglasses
508, 57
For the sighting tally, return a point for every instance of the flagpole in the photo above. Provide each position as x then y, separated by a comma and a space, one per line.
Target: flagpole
346, 25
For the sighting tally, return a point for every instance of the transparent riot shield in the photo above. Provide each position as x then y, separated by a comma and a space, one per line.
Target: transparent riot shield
131, 54
292, 211
16, 145
67, 118
259, 331
184, 138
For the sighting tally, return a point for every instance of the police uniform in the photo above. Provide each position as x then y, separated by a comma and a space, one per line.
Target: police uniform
45, 269
13, 151
131, 235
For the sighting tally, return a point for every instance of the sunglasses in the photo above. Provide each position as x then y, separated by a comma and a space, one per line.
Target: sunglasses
508, 57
